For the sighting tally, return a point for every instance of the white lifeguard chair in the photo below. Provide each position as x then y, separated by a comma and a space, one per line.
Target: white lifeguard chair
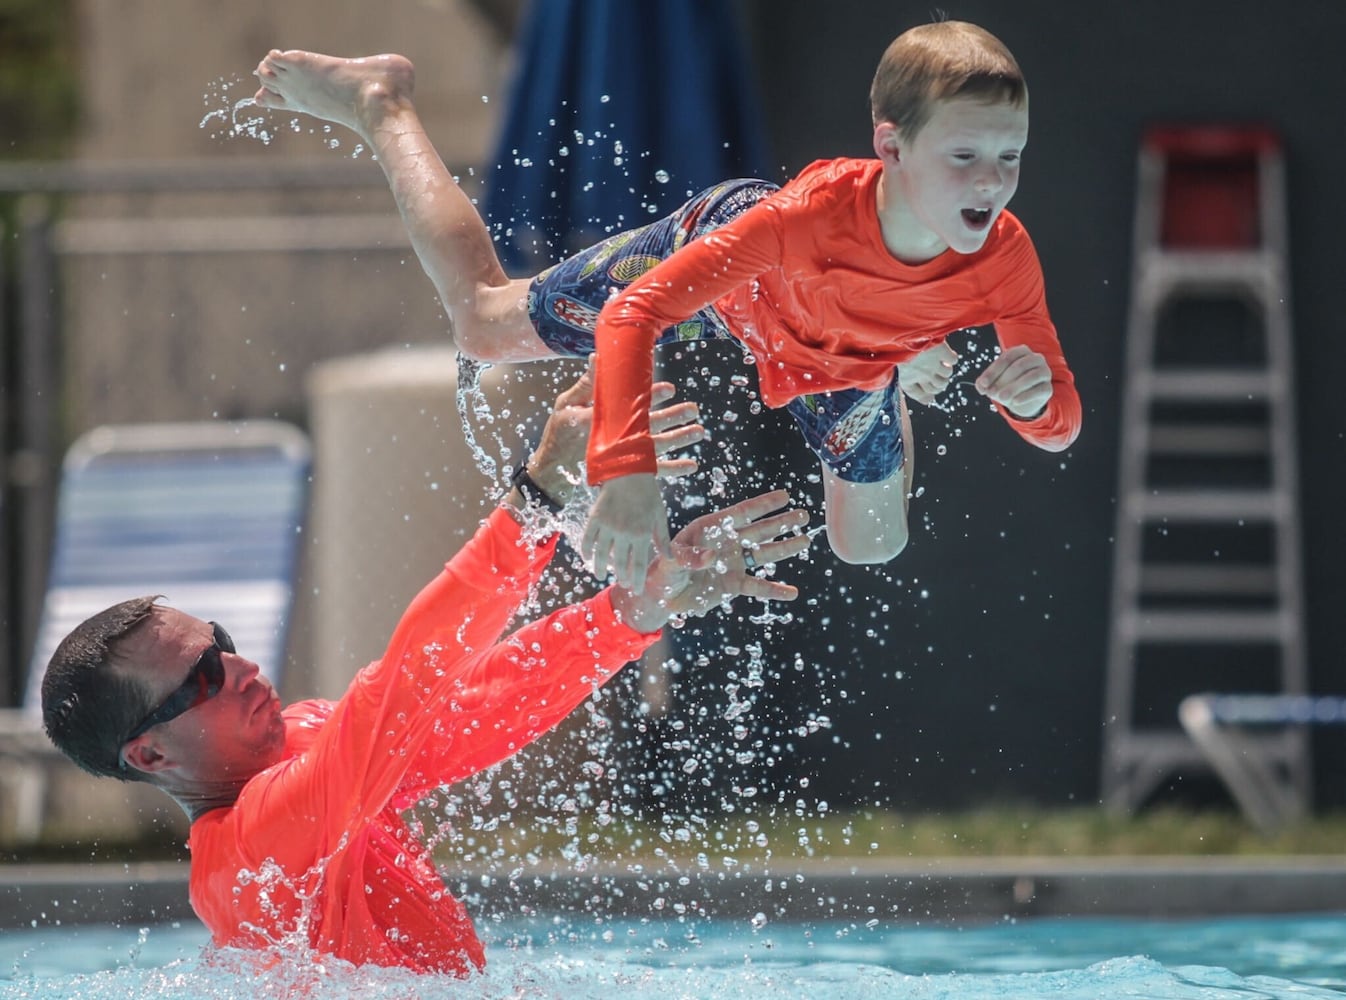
1207, 591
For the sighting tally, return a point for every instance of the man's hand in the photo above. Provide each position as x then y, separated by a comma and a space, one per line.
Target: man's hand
555, 462
1019, 380
712, 561
628, 515
927, 375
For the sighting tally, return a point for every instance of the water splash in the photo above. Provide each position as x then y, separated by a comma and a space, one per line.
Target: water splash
229, 117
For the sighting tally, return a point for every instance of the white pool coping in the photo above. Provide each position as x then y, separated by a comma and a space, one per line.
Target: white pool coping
926, 890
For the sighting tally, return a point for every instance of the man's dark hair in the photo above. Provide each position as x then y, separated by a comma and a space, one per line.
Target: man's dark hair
88, 706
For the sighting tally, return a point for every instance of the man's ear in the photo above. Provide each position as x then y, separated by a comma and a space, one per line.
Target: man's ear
888, 143
144, 754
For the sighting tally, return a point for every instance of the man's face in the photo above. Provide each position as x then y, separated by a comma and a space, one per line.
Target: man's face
225, 739
960, 171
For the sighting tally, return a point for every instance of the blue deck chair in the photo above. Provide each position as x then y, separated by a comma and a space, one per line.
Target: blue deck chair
208, 514
1222, 727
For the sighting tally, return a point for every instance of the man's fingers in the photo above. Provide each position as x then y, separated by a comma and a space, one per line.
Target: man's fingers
768, 590
581, 393
674, 416
746, 511
694, 557
683, 437
662, 392
781, 549
675, 468
762, 531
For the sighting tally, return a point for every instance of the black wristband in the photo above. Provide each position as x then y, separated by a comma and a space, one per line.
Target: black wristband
532, 492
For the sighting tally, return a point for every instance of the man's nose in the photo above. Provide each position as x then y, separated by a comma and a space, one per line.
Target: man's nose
241, 668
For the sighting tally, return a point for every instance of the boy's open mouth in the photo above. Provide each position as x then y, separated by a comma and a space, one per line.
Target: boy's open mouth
976, 217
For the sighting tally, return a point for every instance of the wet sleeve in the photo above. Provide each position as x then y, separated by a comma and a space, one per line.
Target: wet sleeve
519, 689
1023, 319
361, 756
698, 274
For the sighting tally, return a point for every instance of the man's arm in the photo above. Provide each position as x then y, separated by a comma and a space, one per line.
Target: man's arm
394, 712
528, 683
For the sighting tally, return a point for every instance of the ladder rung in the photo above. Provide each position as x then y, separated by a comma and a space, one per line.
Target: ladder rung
1173, 746
1210, 385
1214, 627
1168, 269
1209, 439
1206, 505
1193, 579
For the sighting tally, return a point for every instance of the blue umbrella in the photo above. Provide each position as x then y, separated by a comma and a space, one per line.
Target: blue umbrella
617, 113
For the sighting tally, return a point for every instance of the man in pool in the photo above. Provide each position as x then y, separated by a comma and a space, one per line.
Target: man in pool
297, 837
843, 285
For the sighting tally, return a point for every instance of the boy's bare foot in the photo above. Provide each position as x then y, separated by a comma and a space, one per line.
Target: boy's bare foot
357, 93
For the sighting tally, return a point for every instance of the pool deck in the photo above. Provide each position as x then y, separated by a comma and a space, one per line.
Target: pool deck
928, 890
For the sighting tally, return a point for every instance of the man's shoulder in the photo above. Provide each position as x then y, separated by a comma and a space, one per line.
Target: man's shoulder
303, 720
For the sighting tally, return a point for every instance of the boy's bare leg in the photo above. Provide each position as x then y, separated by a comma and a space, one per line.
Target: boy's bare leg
867, 522
372, 96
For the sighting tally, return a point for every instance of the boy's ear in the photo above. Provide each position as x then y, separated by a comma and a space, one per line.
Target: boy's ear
887, 143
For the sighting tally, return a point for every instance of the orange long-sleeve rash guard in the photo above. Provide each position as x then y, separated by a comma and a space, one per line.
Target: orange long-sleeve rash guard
315, 845
804, 280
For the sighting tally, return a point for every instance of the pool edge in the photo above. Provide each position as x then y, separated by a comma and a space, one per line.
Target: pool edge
931, 890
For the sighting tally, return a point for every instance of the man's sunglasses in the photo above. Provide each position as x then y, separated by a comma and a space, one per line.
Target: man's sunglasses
204, 681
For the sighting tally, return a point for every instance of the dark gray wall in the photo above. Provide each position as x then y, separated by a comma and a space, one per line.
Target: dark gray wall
997, 614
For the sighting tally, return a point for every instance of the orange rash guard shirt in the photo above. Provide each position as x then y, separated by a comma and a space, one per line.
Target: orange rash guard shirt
316, 844
804, 280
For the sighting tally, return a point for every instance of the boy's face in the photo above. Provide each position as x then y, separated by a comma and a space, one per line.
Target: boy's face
959, 172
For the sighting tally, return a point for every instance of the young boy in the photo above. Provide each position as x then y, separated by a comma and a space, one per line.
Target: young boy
843, 285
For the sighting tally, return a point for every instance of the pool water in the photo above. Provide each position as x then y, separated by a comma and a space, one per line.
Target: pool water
1234, 958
